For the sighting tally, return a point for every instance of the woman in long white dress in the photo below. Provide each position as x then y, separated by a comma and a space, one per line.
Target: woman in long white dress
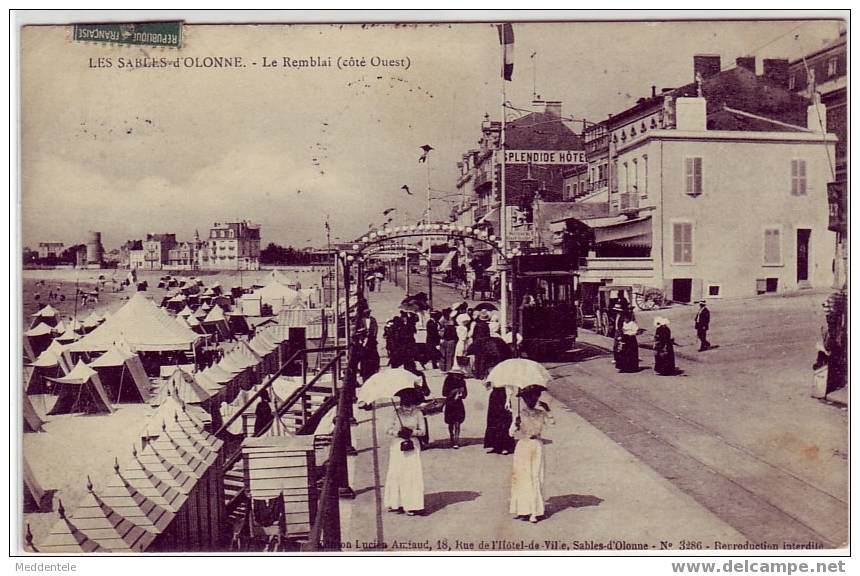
528, 467
404, 483
463, 321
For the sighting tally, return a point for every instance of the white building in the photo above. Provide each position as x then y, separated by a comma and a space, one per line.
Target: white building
136, 259
232, 246
725, 213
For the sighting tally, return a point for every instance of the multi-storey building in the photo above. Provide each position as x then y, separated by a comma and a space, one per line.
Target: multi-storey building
156, 248
822, 75
49, 249
182, 256
684, 161
233, 246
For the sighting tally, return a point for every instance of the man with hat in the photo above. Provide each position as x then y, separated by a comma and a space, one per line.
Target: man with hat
702, 324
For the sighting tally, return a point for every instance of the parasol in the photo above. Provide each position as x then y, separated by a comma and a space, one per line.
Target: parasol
386, 384
519, 373
488, 306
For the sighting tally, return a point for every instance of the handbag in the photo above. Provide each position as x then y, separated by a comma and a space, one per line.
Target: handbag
407, 445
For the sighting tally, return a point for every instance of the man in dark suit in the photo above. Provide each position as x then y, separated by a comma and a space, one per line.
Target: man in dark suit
702, 324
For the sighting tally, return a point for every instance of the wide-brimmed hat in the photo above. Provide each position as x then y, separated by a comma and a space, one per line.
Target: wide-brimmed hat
660, 321
630, 328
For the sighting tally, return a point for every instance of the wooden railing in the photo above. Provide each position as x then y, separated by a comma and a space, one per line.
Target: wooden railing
325, 534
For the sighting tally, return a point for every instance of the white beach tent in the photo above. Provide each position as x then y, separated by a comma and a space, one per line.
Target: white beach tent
80, 390
122, 375
144, 326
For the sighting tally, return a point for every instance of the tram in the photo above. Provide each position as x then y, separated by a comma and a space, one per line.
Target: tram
544, 293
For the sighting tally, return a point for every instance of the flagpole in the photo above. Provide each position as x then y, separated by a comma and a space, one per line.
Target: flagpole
503, 209
428, 239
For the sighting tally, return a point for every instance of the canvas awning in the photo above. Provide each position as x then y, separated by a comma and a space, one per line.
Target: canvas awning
447, 262
634, 231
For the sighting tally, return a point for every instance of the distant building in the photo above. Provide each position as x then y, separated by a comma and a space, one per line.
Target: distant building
182, 256
232, 246
136, 259
156, 249
49, 249
125, 253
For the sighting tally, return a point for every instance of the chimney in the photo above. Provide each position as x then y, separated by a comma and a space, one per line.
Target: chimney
706, 64
538, 106
776, 70
553, 108
653, 91
747, 62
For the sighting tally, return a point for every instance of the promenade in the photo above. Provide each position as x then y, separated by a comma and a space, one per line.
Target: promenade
598, 495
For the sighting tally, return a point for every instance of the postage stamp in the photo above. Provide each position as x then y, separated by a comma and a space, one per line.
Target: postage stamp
164, 34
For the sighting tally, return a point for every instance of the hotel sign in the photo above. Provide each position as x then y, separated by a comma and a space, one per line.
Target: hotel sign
554, 157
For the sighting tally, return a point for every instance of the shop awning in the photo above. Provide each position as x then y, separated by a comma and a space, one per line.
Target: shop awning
634, 231
447, 262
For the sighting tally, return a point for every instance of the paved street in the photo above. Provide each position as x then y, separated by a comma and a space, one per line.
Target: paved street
734, 448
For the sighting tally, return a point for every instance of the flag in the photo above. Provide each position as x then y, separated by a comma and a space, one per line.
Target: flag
506, 39
426, 148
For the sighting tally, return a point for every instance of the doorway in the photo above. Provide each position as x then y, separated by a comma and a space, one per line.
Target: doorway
803, 235
682, 289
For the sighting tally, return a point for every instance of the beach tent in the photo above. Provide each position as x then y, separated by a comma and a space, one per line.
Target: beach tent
32, 421
194, 324
67, 337
216, 322
183, 387
91, 322
37, 339
36, 498
51, 363
80, 390
48, 314
122, 376
144, 326
185, 312
277, 296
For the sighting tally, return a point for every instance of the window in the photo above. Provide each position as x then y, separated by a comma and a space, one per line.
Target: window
693, 175
635, 175
831, 67
682, 240
644, 188
792, 82
626, 186
713, 290
772, 247
798, 177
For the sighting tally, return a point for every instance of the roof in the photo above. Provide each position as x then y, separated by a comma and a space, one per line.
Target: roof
113, 357
39, 329
541, 131
47, 311
141, 324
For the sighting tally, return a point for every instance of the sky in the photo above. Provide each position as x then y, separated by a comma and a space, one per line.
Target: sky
136, 150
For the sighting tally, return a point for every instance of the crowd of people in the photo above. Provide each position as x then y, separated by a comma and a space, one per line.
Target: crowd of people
463, 343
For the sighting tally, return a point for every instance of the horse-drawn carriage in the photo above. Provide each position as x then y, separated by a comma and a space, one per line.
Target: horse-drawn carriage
611, 299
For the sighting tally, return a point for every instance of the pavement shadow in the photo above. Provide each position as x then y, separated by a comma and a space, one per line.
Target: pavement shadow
446, 442
556, 504
436, 501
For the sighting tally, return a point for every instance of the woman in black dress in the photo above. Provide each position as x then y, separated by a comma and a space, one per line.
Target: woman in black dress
454, 391
497, 438
664, 348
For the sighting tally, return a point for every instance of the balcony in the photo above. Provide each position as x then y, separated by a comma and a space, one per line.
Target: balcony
482, 178
629, 201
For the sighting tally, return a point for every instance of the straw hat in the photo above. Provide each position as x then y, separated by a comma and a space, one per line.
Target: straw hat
660, 321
